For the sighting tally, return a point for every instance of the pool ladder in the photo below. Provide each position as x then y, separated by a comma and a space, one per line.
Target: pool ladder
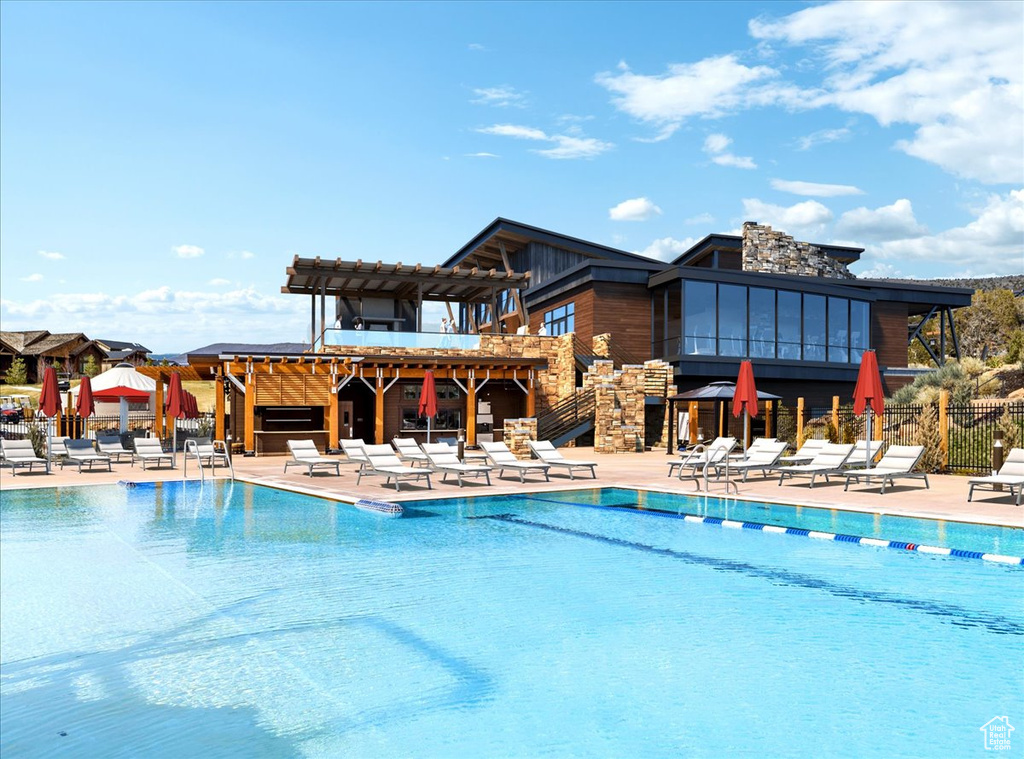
208, 452
718, 465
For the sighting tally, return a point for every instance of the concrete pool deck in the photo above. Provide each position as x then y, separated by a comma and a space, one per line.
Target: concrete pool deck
945, 500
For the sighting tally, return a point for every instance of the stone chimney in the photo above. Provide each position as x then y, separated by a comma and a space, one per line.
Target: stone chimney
766, 250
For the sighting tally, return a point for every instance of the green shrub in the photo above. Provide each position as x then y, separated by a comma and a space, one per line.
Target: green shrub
17, 373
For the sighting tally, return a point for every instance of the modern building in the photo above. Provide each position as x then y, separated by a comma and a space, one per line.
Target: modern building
582, 337
121, 352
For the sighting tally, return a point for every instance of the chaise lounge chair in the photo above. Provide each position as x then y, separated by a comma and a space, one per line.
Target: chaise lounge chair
546, 452
697, 457
1011, 474
381, 461
861, 453
355, 451
502, 458
443, 459
305, 453
898, 461
409, 451
806, 453
762, 458
19, 454
829, 460
111, 446
149, 451
82, 453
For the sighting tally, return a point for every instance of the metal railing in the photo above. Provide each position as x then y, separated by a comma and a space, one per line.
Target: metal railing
568, 418
372, 338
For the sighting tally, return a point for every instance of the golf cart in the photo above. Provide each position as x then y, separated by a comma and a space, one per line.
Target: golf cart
14, 408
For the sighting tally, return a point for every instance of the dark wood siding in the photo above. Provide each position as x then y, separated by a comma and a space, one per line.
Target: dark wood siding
889, 333
545, 262
583, 298
625, 311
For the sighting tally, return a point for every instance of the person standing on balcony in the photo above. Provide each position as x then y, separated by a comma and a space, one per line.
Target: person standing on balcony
543, 329
357, 323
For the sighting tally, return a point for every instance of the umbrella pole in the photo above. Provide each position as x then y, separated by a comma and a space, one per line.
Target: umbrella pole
428, 430
867, 441
746, 428
174, 444
49, 443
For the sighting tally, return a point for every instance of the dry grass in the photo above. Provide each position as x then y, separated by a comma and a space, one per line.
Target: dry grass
205, 393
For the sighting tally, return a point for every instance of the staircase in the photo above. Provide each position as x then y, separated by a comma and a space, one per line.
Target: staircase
585, 356
568, 419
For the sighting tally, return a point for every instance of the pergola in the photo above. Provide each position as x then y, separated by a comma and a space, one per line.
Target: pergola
414, 283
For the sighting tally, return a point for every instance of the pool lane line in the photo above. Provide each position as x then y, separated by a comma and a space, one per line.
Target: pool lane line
956, 615
759, 526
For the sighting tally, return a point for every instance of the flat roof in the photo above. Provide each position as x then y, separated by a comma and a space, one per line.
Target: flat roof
842, 253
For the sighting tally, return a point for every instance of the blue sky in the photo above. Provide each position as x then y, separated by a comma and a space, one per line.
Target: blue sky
163, 162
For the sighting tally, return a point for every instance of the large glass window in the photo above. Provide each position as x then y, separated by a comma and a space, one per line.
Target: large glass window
732, 320
762, 323
860, 329
700, 328
814, 328
674, 311
789, 321
446, 419
560, 320
838, 329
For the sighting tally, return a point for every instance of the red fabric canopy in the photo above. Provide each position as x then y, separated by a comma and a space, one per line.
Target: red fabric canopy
869, 386
428, 396
191, 406
85, 406
49, 397
175, 397
115, 394
746, 392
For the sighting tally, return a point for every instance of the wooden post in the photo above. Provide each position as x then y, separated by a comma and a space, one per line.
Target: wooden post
333, 420
694, 421
378, 412
799, 419
160, 423
531, 400
218, 408
944, 426
835, 413
768, 405
879, 426
250, 412
471, 411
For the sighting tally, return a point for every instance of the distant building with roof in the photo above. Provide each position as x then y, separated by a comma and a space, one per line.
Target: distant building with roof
40, 349
120, 352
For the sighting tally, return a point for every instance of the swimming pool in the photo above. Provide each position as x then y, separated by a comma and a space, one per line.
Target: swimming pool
228, 619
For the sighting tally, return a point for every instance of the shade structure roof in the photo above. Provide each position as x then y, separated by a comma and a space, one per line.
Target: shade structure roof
121, 381
718, 391
359, 279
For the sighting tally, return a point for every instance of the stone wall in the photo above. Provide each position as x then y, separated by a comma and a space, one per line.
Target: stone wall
766, 250
619, 407
517, 432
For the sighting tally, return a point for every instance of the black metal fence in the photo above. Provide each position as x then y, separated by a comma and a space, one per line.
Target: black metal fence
140, 424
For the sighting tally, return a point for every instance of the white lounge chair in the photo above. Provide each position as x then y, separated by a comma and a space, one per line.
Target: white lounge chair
305, 454
409, 451
546, 452
19, 454
763, 458
829, 460
695, 458
355, 451
82, 453
381, 461
149, 451
111, 446
502, 458
54, 448
861, 453
1011, 475
443, 460
755, 445
806, 453
898, 462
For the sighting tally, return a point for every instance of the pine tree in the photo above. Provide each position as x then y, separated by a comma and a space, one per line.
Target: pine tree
90, 368
17, 374
927, 434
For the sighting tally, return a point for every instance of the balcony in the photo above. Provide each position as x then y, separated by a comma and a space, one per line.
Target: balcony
372, 338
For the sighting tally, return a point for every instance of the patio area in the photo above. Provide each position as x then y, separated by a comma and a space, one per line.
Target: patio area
945, 500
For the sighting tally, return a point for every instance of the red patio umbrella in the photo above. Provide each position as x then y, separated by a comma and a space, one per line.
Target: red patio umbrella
745, 398
428, 399
175, 410
49, 405
85, 405
868, 395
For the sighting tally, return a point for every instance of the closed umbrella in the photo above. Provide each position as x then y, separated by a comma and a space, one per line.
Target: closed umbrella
745, 399
868, 395
85, 406
428, 399
49, 406
176, 409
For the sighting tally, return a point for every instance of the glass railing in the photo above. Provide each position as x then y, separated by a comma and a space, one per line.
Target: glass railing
372, 338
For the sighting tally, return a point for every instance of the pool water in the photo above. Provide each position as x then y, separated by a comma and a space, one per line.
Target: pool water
225, 620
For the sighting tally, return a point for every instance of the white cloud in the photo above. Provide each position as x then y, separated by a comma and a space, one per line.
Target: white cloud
667, 248
33, 278
701, 218
894, 222
502, 96
566, 146
52, 255
482, 155
476, 46
219, 282
709, 88
188, 251
814, 189
635, 209
243, 254
881, 271
822, 137
715, 145
991, 244
953, 70
801, 220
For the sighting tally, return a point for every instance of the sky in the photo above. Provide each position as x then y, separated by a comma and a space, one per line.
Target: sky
162, 163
